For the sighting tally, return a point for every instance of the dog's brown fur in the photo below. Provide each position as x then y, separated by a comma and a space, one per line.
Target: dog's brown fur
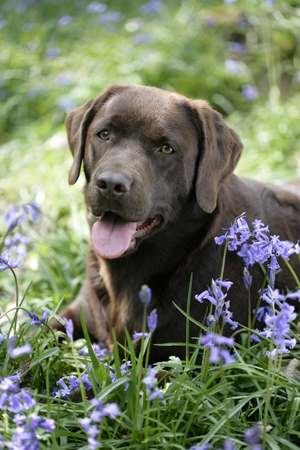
193, 192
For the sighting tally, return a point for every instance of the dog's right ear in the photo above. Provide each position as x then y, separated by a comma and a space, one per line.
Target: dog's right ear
78, 122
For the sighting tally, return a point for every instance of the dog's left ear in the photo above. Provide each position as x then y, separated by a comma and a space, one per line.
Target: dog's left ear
220, 149
77, 123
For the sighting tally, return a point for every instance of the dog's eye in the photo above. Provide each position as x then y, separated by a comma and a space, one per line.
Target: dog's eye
104, 134
167, 150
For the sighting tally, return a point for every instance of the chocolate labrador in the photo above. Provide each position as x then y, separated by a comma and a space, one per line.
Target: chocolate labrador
159, 188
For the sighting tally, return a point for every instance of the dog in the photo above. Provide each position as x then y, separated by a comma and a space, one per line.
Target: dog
159, 188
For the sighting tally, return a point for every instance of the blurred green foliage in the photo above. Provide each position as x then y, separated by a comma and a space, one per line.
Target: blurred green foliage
242, 56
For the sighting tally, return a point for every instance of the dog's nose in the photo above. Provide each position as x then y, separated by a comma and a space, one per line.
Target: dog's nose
112, 184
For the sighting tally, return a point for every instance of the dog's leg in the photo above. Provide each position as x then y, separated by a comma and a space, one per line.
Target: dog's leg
96, 312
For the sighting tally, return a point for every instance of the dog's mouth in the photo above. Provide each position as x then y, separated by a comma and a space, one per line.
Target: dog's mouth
112, 235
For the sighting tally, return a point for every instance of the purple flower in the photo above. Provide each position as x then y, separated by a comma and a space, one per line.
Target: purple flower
8, 384
69, 328
152, 7
279, 329
251, 436
3, 337
96, 7
156, 393
137, 335
86, 382
149, 379
142, 38
15, 214
19, 419
247, 278
280, 323
273, 297
237, 234
16, 352
237, 47
145, 294
65, 20
152, 320
233, 67
29, 402
52, 52
249, 92
294, 295
65, 104
6, 262
217, 298
110, 409
261, 313
213, 338
101, 353
35, 319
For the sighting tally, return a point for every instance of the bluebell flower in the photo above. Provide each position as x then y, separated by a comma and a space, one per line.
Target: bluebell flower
6, 261
16, 352
65, 20
249, 92
149, 382
236, 47
65, 103
12, 397
261, 313
294, 295
213, 341
3, 337
278, 328
152, 320
142, 38
152, 7
233, 67
26, 435
101, 410
156, 393
145, 294
247, 278
100, 350
216, 296
52, 52
213, 338
251, 436
17, 214
9, 384
96, 7
203, 447
273, 297
34, 319
138, 335
69, 327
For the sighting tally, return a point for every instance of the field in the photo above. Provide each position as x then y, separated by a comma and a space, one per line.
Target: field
243, 57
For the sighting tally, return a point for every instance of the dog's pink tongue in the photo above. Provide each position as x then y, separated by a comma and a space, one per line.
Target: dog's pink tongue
111, 235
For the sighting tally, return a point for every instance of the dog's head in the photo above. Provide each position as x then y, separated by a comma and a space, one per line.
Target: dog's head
145, 151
